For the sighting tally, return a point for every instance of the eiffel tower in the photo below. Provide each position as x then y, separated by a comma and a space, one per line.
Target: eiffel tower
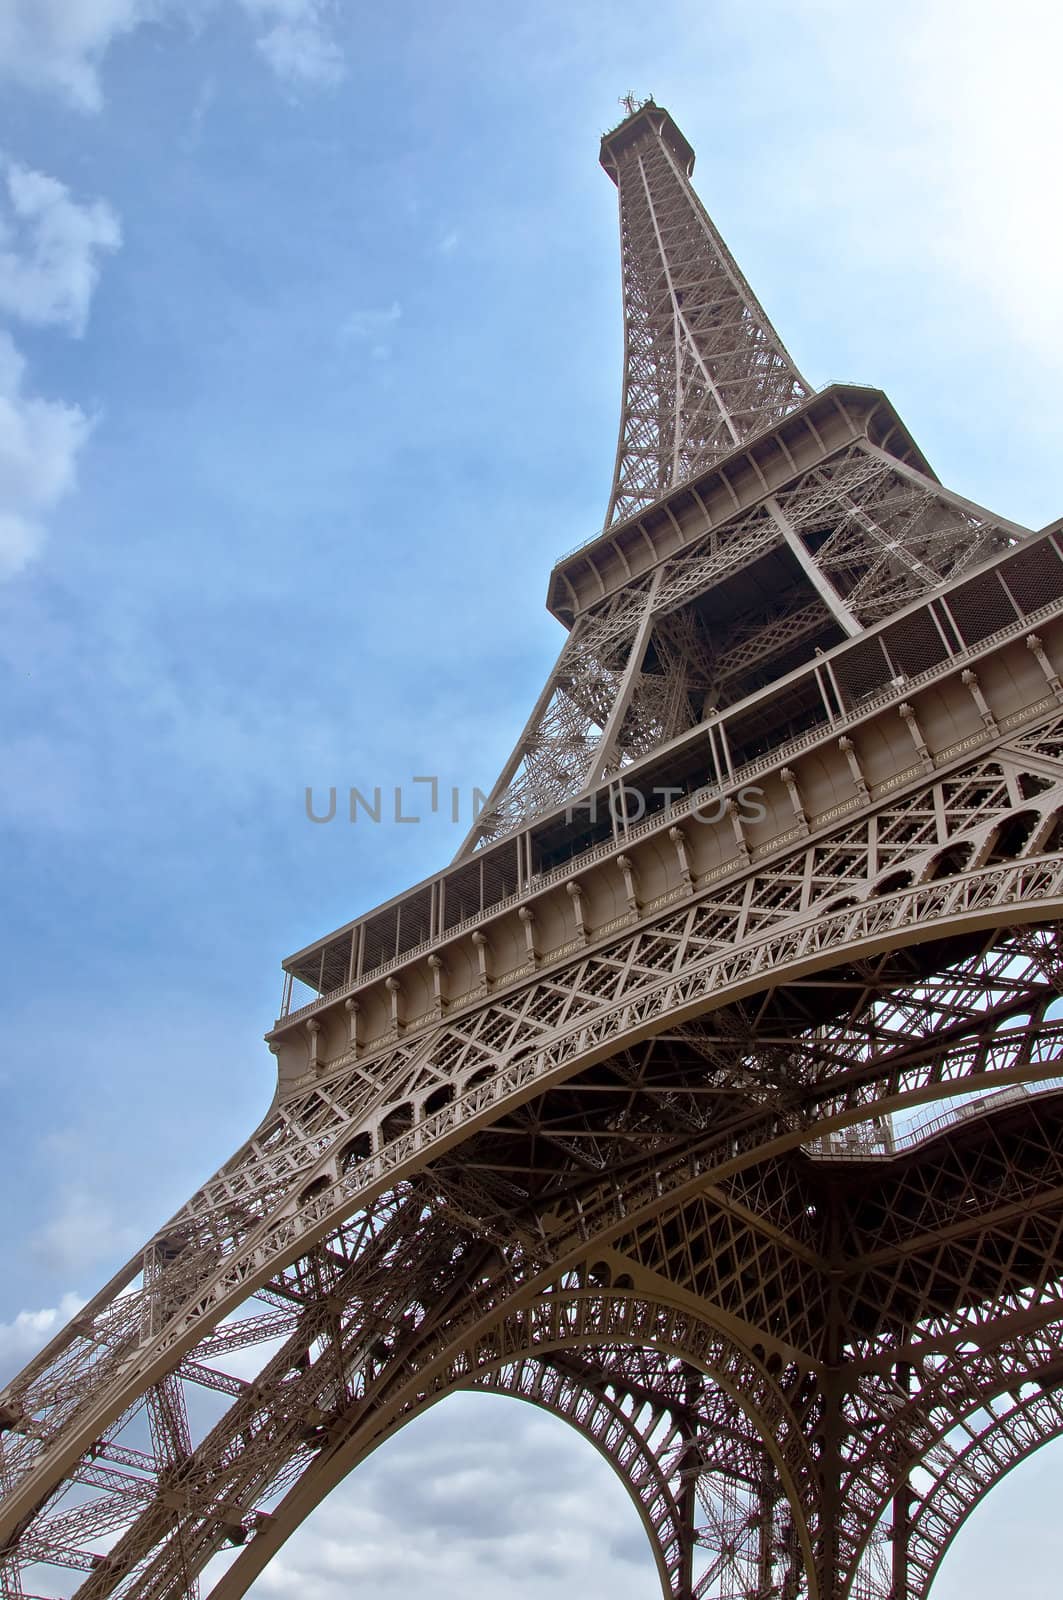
711, 1099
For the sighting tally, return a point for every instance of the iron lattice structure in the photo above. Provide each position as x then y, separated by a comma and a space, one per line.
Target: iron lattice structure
711, 1098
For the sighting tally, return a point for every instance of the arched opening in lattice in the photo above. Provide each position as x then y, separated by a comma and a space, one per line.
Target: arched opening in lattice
1012, 837
314, 1190
398, 1119
482, 1495
947, 863
1053, 840
438, 1099
360, 1148
701, 1433
1011, 1540
892, 882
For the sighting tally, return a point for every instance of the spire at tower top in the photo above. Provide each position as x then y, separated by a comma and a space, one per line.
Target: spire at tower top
704, 370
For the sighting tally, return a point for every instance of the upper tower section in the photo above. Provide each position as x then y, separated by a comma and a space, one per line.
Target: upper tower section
704, 370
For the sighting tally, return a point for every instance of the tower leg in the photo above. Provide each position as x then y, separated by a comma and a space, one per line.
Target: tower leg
902, 1518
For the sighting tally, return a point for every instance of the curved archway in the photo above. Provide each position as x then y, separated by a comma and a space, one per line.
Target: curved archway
737, 1545
712, 1506
961, 1483
1012, 1543
636, 1457
546, 1326
983, 1411
215, 1504
235, 1265
483, 1494
646, 1190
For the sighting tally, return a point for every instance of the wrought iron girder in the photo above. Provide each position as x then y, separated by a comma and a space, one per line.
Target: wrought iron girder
923, 1429
731, 1143
627, 1175
735, 1035
868, 536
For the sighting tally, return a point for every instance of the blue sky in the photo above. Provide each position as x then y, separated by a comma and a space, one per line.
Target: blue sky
309, 367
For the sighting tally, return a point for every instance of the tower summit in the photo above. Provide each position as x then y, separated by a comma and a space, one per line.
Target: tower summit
710, 1099
704, 369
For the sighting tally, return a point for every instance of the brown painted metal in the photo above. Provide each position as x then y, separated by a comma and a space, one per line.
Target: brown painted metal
711, 1099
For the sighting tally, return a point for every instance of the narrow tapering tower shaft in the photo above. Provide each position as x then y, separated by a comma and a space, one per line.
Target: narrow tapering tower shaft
704, 369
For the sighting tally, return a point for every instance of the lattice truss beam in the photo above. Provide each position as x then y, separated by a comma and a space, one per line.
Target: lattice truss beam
646, 1150
653, 659
703, 367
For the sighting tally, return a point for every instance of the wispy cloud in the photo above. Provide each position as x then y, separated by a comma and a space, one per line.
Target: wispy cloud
58, 44
502, 1500
83, 1231
298, 40
28, 1331
40, 441
50, 247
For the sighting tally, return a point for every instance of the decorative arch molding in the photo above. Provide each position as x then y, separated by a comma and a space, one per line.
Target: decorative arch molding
780, 1404
689, 1457
638, 1462
1017, 1385
963, 1479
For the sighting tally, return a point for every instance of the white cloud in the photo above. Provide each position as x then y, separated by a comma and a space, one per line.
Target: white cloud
50, 247
370, 324
26, 1333
39, 445
297, 40
59, 44
50, 251
994, 204
479, 1497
